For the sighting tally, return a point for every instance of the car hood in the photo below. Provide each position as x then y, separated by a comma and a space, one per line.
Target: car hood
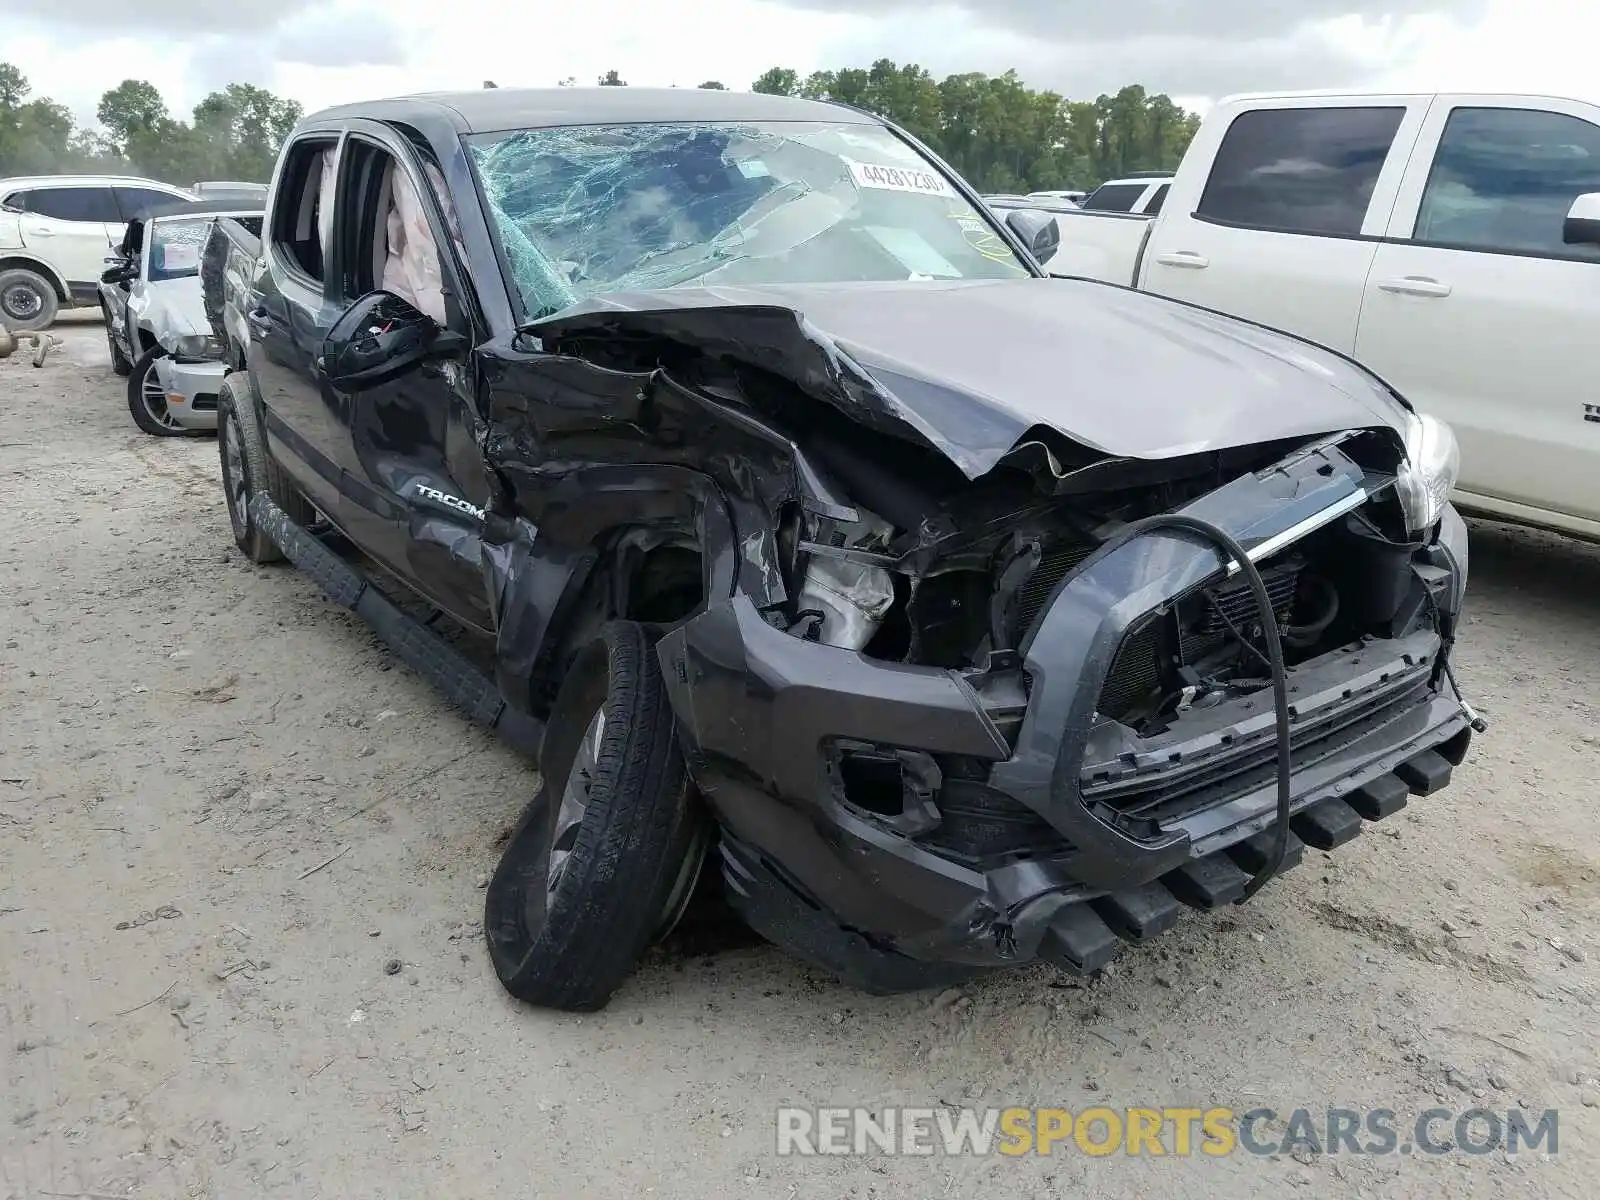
974, 366
174, 308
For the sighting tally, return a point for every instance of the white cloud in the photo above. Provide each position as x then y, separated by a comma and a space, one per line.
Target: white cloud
355, 49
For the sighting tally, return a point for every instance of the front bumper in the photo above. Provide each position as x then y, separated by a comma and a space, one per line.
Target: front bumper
1131, 830
192, 389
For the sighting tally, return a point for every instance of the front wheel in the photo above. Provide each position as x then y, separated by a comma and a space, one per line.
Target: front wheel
606, 855
147, 399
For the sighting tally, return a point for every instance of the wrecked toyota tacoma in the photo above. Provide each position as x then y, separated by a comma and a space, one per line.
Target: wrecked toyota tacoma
725, 454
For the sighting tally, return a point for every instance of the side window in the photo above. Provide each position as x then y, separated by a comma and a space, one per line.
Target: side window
1299, 170
18, 201
131, 200
1115, 197
385, 240
1158, 199
74, 204
1504, 178
303, 214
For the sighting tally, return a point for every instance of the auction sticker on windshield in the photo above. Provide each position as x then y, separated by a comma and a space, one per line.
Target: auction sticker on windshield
899, 179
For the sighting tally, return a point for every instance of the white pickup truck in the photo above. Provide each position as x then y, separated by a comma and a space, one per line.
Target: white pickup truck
1449, 242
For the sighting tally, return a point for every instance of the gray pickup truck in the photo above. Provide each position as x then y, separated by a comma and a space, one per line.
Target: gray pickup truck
786, 510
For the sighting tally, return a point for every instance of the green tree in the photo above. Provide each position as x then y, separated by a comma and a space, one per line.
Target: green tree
1000, 133
713, 86
132, 111
240, 129
780, 81
612, 79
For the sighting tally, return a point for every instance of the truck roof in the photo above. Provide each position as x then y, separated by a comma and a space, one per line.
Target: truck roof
489, 110
1350, 94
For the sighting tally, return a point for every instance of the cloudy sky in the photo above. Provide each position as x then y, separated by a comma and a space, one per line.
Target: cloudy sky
333, 51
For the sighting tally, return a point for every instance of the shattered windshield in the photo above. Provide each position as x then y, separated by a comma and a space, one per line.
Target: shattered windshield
175, 248
584, 210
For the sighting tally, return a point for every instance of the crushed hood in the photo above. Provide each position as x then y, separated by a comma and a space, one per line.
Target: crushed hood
174, 308
973, 366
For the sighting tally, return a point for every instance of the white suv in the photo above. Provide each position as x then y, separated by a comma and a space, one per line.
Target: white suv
55, 234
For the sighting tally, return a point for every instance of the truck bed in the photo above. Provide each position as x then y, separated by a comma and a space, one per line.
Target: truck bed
1108, 246
227, 267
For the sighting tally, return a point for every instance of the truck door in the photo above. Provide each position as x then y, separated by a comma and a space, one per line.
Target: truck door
1478, 312
290, 313
412, 477
1279, 230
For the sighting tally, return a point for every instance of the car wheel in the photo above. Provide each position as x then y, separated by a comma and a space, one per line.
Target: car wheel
27, 300
248, 470
606, 856
120, 365
147, 400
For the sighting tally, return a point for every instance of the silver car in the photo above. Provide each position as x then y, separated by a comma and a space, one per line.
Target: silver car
156, 325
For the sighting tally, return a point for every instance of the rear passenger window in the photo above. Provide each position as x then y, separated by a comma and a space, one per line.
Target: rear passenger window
1158, 199
1300, 170
1504, 178
1115, 197
303, 216
74, 204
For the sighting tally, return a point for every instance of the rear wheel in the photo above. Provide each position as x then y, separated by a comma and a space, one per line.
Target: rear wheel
147, 399
606, 856
248, 470
27, 300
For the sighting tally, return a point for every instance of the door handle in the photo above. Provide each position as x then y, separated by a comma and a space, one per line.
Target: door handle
1414, 285
40, 231
1191, 259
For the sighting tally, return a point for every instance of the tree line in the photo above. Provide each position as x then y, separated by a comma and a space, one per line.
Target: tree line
1001, 134
232, 134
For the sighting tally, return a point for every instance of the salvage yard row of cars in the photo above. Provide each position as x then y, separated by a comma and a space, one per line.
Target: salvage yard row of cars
820, 547
132, 246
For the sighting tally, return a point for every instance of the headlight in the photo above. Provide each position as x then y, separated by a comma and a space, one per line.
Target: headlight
1433, 462
196, 345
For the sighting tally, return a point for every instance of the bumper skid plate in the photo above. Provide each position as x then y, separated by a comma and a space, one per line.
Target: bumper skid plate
1081, 935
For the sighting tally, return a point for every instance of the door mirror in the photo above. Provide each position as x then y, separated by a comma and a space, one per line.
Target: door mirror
379, 338
1582, 226
122, 272
1039, 231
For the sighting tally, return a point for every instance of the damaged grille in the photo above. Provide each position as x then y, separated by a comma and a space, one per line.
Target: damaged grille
1193, 633
1171, 800
1052, 569
1235, 603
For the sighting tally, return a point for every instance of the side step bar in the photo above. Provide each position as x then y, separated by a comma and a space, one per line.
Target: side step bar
424, 651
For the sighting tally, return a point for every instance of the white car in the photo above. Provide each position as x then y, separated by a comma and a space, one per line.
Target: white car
1450, 242
55, 234
156, 324
1141, 193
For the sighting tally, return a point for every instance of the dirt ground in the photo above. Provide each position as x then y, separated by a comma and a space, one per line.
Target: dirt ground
241, 861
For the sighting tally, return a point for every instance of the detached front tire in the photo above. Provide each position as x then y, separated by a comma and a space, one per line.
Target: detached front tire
28, 300
248, 471
603, 860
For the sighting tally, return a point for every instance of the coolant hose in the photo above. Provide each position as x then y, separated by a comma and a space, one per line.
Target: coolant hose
1230, 549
